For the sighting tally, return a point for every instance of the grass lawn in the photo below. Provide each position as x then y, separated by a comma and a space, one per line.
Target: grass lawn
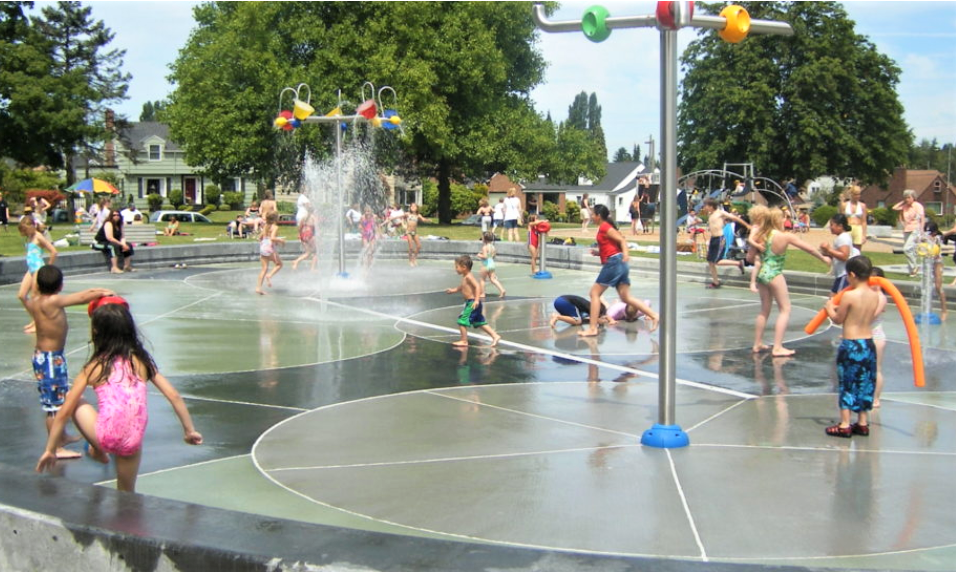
11, 243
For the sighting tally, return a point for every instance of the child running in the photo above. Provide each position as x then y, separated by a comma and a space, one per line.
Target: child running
856, 357
612, 248
471, 316
48, 309
307, 225
36, 243
487, 257
268, 252
412, 218
118, 372
717, 249
369, 229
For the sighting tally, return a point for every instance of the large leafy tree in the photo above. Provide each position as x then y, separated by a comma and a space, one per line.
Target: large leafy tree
87, 78
462, 72
821, 102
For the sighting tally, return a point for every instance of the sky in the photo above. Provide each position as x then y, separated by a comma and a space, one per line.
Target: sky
623, 71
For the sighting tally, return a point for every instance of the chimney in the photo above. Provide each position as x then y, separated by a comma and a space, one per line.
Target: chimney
109, 149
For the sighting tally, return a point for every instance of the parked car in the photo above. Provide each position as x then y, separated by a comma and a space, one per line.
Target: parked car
182, 216
286, 220
473, 220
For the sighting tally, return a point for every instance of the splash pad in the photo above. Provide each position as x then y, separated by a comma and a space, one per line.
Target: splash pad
366, 112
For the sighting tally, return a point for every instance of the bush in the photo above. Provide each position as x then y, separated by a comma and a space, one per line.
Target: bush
429, 206
550, 211
234, 200
155, 201
286, 207
52, 197
212, 194
821, 215
463, 200
176, 198
206, 210
884, 216
224, 207
572, 211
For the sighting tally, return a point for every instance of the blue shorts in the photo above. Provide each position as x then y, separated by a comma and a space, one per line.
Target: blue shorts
856, 370
715, 249
53, 381
839, 284
511, 223
471, 316
614, 272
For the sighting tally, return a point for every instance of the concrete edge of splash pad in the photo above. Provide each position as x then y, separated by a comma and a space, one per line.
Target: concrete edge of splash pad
54, 523
566, 257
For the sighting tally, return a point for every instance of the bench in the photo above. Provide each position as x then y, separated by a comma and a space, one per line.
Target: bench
135, 234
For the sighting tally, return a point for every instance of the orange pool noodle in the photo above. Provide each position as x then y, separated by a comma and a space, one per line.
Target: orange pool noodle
916, 350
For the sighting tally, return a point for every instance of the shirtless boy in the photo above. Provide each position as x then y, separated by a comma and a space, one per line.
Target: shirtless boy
471, 316
49, 361
716, 219
856, 357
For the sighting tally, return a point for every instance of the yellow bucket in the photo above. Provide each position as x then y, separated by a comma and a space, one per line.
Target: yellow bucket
302, 109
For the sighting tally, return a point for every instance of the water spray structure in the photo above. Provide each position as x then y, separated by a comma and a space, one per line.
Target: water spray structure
733, 25
372, 111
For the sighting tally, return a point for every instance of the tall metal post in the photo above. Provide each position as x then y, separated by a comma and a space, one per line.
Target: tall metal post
668, 201
341, 192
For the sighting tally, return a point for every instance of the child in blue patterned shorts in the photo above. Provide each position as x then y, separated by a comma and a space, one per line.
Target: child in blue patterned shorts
471, 316
49, 360
856, 357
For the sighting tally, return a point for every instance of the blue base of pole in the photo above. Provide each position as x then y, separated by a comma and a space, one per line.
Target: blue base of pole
542, 275
342, 275
665, 437
931, 319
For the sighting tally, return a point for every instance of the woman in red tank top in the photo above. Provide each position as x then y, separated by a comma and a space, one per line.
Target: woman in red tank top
612, 248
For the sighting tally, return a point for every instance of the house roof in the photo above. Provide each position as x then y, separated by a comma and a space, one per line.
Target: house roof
140, 131
618, 179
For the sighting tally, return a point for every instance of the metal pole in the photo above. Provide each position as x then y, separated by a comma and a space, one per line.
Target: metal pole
338, 182
668, 202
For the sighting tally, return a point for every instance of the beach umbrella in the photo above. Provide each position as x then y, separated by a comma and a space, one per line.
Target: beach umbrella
94, 186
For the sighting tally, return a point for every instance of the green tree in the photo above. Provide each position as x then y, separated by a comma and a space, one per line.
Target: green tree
152, 111
87, 76
462, 71
621, 156
821, 102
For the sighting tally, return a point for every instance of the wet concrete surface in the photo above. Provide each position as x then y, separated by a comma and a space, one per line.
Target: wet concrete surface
342, 402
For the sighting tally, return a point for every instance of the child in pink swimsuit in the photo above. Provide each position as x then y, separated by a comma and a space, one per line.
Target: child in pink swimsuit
118, 372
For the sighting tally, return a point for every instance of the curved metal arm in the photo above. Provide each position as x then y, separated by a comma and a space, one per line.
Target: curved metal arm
756, 26
542, 22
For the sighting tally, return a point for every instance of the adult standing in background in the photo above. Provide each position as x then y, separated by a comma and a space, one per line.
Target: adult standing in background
635, 211
585, 213
855, 211
4, 213
268, 205
912, 216
512, 214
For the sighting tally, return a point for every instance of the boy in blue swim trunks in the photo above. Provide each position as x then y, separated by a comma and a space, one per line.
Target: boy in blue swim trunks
49, 361
471, 316
856, 357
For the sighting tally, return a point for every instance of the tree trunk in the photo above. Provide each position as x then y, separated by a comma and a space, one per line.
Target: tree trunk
444, 192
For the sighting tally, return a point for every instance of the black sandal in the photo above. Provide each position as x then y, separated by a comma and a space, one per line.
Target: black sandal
862, 430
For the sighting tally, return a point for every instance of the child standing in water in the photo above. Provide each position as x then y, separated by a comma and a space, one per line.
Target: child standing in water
307, 239
118, 372
268, 252
471, 316
487, 257
879, 336
36, 243
856, 357
369, 229
412, 218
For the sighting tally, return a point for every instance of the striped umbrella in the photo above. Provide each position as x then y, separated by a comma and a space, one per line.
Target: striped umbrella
95, 186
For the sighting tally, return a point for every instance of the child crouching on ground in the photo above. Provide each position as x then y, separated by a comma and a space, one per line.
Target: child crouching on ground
856, 357
471, 315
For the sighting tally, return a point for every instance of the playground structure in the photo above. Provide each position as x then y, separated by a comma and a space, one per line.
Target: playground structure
733, 25
723, 191
366, 112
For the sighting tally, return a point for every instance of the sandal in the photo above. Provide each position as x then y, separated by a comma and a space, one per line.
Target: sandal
862, 430
837, 431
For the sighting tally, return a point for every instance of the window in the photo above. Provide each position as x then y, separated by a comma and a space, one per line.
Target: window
938, 186
155, 152
935, 207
